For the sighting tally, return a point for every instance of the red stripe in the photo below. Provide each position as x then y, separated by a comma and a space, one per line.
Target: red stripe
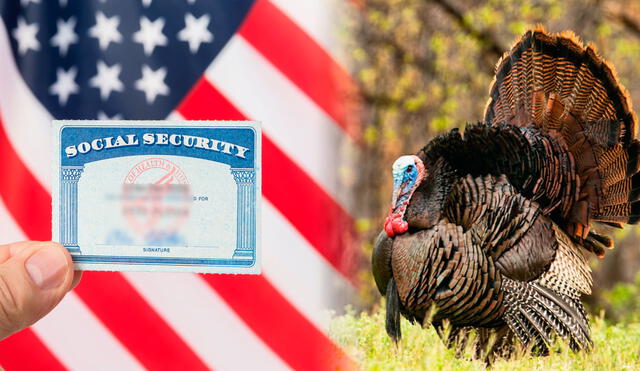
26, 200
130, 318
322, 221
304, 62
24, 351
206, 103
135, 323
300, 344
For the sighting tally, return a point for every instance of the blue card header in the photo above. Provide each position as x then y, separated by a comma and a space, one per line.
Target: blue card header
234, 146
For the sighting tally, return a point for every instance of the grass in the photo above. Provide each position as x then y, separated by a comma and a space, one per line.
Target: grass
617, 347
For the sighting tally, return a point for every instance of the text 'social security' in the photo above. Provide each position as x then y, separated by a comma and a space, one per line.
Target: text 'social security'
177, 140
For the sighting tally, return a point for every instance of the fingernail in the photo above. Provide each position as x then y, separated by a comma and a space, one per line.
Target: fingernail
47, 267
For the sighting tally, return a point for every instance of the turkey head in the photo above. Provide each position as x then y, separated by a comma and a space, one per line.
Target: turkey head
419, 194
408, 173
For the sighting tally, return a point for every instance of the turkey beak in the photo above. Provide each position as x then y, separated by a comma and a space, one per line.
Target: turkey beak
394, 223
399, 189
397, 186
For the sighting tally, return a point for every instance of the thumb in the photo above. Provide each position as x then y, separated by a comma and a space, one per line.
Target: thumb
33, 279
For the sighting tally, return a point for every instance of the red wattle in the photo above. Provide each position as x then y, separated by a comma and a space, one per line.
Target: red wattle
395, 225
388, 227
400, 226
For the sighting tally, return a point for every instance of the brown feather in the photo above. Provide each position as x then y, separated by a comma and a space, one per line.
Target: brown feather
558, 85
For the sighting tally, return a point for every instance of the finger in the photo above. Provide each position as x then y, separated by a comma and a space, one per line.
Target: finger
32, 281
77, 275
5, 253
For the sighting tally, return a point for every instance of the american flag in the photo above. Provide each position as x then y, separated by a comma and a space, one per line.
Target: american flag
268, 60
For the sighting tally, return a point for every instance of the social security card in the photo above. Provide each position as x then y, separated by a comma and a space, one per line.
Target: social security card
158, 195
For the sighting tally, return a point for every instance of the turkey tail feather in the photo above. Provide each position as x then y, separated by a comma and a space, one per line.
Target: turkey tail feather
553, 76
567, 91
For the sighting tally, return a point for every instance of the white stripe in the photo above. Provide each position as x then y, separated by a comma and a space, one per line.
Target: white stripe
9, 230
80, 341
293, 121
298, 271
212, 329
175, 116
26, 122
318, 20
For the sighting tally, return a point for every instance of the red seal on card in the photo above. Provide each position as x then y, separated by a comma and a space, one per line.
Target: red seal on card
156, 198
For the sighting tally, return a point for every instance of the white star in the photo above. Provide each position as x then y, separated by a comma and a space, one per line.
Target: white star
146, 3
195, 31
63, 3
65, 35
150, 34
104, 116
107, 80
24, 3
64, 85
25, 35
152, 83
106, 30
191, 1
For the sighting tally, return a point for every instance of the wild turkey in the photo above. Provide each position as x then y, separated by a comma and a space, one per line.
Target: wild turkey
492, 227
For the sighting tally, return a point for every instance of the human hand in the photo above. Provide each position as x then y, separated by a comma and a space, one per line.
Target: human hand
34, 277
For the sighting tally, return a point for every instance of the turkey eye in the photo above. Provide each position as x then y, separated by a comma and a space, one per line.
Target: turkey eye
409, 168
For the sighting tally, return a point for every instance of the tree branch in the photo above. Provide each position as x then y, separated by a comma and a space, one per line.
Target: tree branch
372, 35
628, 22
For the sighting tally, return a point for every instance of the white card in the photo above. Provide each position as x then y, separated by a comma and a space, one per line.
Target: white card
177, 196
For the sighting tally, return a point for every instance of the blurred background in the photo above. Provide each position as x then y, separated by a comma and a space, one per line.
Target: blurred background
424, 67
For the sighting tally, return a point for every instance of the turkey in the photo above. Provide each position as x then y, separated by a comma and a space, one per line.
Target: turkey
493, 227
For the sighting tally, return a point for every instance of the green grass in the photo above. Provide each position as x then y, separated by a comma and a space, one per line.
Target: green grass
617, 347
